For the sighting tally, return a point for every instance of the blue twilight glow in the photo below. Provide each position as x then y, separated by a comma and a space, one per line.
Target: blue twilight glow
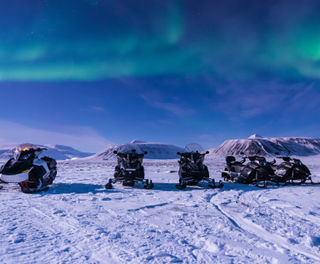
171, 71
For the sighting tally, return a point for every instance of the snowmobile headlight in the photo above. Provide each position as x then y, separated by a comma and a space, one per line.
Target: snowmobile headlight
25, 171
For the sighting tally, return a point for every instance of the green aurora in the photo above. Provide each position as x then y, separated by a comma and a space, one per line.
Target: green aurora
61, 43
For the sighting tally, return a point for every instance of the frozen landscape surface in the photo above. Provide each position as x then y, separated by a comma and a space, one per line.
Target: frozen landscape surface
78, 221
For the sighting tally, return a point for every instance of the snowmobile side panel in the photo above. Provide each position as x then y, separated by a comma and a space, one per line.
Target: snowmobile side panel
15, 178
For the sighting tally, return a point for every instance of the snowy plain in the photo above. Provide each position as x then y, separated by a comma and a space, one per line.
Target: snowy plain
78, 221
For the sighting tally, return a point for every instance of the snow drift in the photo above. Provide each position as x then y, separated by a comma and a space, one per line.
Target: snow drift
155, 150
255, 144
58, 152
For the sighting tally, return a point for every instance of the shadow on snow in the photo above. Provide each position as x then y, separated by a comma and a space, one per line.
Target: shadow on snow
64, 188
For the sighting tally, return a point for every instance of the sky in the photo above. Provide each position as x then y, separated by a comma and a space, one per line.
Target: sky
92, 73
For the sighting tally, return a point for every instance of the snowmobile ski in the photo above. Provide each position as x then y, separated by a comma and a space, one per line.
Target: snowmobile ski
44, 189
109, 186
213, 184
149, 185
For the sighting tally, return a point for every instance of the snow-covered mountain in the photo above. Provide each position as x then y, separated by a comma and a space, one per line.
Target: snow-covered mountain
155, 150
255, 144
58, 152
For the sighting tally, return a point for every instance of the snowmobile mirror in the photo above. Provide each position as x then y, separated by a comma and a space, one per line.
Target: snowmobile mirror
41, 149
207, 152
145, 153
179, 153
115, 152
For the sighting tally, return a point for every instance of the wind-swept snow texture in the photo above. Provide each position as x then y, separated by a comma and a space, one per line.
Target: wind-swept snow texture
255, 144
78, 221
155, 150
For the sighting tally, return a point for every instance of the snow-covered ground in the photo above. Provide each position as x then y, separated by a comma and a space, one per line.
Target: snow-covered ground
78, 221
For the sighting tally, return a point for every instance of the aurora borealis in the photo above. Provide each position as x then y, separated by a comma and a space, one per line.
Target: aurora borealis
208, 69
95, 40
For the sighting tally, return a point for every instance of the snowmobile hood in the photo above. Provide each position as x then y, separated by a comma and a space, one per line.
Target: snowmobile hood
16, 166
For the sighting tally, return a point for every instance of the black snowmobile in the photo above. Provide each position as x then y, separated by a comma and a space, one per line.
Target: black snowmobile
291, 171
129, 170
192, 170
258, 170
33, 174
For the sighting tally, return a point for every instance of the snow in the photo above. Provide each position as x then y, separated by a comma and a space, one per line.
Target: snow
255, 136
255, 144
59, 152
78, 221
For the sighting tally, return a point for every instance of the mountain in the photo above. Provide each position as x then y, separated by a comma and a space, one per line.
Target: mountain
58, 152
255, 144
155, 150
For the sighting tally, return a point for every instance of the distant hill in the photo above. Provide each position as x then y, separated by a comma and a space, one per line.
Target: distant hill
291, 146
58, 152
155, 150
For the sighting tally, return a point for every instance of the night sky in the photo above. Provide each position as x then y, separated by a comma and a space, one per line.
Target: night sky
87, 73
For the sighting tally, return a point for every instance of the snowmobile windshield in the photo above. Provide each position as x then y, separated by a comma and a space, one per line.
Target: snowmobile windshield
297, 162
193, 147
129, 148
26, 151
130, 158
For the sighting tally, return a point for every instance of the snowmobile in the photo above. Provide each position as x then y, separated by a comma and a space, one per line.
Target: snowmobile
129, 170
290, 171
192, 170
33, 174
257, 170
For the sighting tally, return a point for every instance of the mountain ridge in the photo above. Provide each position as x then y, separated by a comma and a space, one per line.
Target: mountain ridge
155, 150
268, 146
56, 151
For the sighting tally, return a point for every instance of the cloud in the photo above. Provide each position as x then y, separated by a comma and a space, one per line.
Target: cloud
173, 108
157, 100
82, 138
96, 109
249, 100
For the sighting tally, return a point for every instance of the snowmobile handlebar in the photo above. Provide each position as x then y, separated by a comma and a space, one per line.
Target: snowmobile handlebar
186, 153
254, 158
251, 158
285, 158
133, 151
